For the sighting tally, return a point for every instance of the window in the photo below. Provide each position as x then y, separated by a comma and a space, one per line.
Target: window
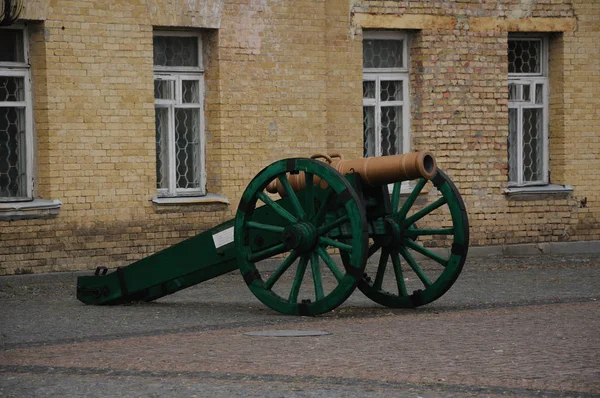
527, 111
178, 101
385, 94
16, 125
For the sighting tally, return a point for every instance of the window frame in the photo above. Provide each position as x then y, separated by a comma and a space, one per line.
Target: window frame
22, 69
178, 74
173, 33
388, 74
531, 79
388, 35
543, 55
377, 103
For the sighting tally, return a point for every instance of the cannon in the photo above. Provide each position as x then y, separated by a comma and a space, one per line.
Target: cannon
309, 231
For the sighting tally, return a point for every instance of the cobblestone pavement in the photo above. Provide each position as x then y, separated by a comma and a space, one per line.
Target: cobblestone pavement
521, 326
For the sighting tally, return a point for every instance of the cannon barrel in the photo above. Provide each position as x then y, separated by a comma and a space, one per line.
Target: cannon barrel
374, 171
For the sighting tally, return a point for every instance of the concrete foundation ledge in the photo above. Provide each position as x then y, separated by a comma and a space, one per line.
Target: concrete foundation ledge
524, 250
528, 249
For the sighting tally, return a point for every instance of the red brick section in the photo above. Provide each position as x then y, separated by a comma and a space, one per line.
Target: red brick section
547, 347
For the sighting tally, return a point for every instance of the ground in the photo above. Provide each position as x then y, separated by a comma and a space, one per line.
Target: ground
510, 326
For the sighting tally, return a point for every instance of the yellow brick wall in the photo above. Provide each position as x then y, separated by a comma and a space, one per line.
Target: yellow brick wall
460, 107
285, 79
582, 119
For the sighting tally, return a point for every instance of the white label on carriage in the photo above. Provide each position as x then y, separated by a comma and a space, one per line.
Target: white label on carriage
223, 238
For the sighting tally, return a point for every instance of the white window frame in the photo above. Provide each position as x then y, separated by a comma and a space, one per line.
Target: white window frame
179, 74
22, 69
531, 79
385, 74
378, 104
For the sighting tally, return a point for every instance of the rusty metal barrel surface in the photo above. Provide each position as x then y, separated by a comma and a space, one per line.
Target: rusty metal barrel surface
373, 171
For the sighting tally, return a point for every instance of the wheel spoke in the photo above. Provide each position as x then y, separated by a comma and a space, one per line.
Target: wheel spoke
281, 269
424, 211
292, 196
316, 271
426, 252
286, 228
266, 253
298, 279
383, 259
278, 209
330, 263
399, 276
415, 267
396, 196
424, 231
322, 230
330, 242
264, 227
432, 268
411, 199
310, 195
373, 248
320, 217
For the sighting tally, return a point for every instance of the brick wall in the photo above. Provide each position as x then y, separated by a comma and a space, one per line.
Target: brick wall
581, 131
460, 107
282, 82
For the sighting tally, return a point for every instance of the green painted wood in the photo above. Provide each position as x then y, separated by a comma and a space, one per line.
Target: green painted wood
414, 265
383, 261
432, 288
317, 220
308, 217
281, 269
182, 265
185, 264
335, 270
316, 271
399, 274
401, 214
423, 212
298, 278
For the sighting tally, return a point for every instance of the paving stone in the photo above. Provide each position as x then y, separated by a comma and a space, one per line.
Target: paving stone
509, 327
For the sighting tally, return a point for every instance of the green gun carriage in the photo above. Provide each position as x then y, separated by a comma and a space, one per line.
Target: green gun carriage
309, 231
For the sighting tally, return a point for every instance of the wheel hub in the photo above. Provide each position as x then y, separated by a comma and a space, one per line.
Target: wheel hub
301, 236
394, 232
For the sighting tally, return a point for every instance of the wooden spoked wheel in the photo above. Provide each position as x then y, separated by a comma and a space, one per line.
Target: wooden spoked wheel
282, 243
422, 248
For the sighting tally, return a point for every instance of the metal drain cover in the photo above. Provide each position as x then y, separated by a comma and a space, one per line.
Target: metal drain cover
287, 333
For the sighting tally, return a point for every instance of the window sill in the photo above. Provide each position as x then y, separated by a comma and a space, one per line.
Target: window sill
37, 208
539, 192
191, 200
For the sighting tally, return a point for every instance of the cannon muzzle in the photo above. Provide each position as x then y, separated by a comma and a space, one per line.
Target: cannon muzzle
375, 171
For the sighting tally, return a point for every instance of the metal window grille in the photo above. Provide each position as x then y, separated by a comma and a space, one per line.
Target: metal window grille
16, 123
528, 100
385, 94
178, 101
